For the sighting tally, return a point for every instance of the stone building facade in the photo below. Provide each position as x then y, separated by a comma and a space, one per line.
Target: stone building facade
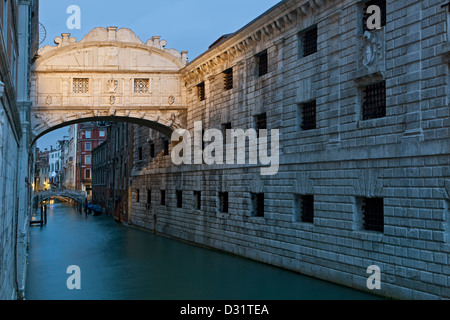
111, 171
18, 46
363, 118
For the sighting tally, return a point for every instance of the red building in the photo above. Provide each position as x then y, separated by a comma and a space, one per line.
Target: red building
89, 136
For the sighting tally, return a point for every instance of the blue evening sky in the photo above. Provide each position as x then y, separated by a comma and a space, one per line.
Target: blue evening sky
186, 25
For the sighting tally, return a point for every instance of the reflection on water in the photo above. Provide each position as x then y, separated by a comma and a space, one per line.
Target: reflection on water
119, 262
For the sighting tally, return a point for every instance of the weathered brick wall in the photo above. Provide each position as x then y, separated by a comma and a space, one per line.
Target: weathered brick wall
402, 157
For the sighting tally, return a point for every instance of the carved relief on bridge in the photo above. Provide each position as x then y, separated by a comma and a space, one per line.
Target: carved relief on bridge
109, 73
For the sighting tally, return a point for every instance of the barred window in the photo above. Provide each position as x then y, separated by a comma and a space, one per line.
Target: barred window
198, 199
141, 85
257, 204
201, 91
228, 79
152, 150
374, 101
307, 208
373, 214
140, 153
263, 63
382, 5
307, 113
223, 202
309, 41
163, 198
179, 194
137, 195
80, 85
260, 122
149, 196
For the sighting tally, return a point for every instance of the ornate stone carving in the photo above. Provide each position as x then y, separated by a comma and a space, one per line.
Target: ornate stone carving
171, 100
372, 49
49, 100
112, 85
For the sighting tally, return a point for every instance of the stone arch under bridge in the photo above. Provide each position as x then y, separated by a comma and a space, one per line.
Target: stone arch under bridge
108, 75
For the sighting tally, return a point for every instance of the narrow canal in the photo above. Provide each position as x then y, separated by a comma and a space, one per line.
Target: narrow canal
122, 263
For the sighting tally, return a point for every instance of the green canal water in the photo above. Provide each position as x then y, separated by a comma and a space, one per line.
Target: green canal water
123, 263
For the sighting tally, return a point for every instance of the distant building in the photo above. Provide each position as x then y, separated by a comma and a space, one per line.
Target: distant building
89, 136
111, 171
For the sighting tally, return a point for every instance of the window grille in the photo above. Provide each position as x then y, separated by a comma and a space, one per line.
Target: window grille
141, 85
373, 214
307, 202
201, 91
309, 41
382, 5
80, 85
198, 199
263, 63
223, 202
228, 79
308, 115
374, 101
258, 204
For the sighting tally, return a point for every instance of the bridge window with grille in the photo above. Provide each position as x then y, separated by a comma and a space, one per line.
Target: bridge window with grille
304, 208
374, 101
382, 5
228, 79
306, 115
308, 42
257, 204
141, 85
372, 210
223, 202
80, 85
262, 62
201, 91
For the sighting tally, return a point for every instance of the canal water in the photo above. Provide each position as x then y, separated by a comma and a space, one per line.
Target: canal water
123, 263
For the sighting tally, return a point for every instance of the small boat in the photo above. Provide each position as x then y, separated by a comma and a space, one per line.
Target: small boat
97, 210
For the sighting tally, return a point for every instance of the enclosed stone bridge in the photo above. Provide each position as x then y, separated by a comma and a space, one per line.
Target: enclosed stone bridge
110, 75
79, 196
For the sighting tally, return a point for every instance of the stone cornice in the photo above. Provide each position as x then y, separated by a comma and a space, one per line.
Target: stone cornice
270, 24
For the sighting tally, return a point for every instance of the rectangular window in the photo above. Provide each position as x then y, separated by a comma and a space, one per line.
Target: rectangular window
87, 135
374, 101
257, 201
201, 91
223, 202
307, 114
198, 199
87, 146
382, 5
101, 133
80, 85
263, 63
152, 150
308, 41
305, 208
140, 153
260, 122
163, 198
149, 196
166, 146
137, 195
87, 173
372, 210
179, 194
228, 79
141, 85
87, 159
